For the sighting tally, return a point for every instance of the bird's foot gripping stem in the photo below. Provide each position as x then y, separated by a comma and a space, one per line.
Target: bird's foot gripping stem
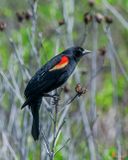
55, 97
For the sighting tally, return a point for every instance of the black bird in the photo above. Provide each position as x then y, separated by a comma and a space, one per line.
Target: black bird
49, 77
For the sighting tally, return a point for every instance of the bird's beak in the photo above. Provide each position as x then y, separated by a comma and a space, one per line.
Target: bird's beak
86, 52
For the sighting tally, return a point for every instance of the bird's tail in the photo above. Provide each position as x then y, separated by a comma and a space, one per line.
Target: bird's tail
27, 102
34, 106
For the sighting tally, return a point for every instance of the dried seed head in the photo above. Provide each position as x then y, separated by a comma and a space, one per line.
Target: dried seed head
61, 22
66, 89
91, 3
78, 88
28, 15
99, 17
84, 90
2, 26
20, 16
108, 19
83, 72
87, 17
102, 51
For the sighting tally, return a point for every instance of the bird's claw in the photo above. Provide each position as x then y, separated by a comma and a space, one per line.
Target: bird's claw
56, 98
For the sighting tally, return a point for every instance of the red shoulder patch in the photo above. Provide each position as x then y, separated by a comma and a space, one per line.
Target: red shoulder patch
63, 62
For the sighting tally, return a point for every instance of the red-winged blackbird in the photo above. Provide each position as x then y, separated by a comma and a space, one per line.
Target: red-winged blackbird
51, 76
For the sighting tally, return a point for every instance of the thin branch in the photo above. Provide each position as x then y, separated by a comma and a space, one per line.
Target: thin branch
5, 139
20, 60
108, 34
87, 130
59, 129
46, 143
62, 146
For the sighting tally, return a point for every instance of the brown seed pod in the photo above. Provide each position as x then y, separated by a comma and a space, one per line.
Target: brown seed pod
91, 3
78, 88
87, 17
99, 17
102, 51
61, 22
28, 15
83, 72
66, 89
108, 19
20, 16
2, 26
84, 90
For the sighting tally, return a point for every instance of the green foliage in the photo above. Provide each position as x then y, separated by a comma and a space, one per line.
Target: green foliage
47, 51
59, 156
4, 56
7, 12
49, 13
121, 83
59, 144
104, 97
110, 154
6, 101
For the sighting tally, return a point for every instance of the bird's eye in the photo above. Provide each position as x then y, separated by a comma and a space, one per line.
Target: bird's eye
78, 53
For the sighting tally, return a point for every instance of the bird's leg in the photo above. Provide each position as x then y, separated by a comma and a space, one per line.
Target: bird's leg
47, 95
56, 99
54, 96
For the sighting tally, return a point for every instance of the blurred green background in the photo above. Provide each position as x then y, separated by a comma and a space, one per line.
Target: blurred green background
49, 34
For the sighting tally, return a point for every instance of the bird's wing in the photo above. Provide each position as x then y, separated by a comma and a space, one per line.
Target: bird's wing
35, 84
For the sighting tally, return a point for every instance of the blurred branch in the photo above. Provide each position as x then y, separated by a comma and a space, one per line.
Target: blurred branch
6, 142
115, 92
120, 64
34, 5
46, 143
11, 86
115, 13
20, 60
62, 146
69, 20
87, 130
55, 125
56, 130
94, 71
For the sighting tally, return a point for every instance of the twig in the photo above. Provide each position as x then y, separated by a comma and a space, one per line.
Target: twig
94, 71
59, 129
72, 99
87, 130
55, 127
115, 96
34, 5
5, 139
108, 34
11, 86
20, 60
62, 146
46, 143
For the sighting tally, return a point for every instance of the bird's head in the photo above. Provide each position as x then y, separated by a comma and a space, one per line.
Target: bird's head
78, 52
